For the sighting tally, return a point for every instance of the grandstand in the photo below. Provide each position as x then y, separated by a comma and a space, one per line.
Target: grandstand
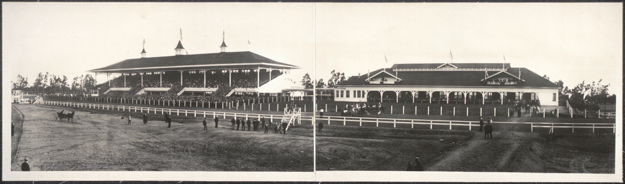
207, 76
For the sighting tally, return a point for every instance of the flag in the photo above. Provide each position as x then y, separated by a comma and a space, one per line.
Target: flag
452, 56
180, 33
385, 59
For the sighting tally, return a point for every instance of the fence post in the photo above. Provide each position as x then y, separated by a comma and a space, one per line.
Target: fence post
557, 113
480, 111
194, 113
593, 128
454, 113
271, 118
214, 114
469, 126
224, 115
532, 127
449, 125
441, 110
394, 123
252, 107
343, 121
304, 107
328, 120
573, 128
415, 110
391, 109
543, 113
412, 123
599, 114
614, 128
260, 106
584, 113
204, 113
360, 121
277, 106
336, 108
467, 111
177, 112
508, 112
495, 112
377, 122
403, 108
431, 125
428, 110
326, 107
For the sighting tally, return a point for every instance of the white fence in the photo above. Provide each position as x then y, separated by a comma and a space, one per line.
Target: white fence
171, 111
340, 119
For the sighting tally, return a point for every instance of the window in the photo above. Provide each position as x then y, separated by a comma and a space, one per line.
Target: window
347, 94
336, 93
554, 97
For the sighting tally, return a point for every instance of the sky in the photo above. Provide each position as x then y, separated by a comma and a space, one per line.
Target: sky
571, 42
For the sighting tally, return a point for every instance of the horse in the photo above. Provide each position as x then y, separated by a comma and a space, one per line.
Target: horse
60, 115
70, 116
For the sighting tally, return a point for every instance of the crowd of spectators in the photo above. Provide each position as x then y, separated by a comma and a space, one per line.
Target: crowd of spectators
219, 80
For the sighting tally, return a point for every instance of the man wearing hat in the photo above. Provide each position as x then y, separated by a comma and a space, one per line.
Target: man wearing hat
25, 166
204, 123
216, 121
415, 165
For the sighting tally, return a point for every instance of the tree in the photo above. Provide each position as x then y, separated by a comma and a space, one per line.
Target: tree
21, 83
587, 96
89, 82
320, 84
337, 77
306, 81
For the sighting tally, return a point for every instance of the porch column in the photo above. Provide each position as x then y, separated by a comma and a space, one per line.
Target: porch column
413, 93
430, 94
230, 78
483, 96
381, 96
161, 75
205, 78
258, 77
141, 79
124, 80
447, 96
464, 94
366, 95
181, 77
107, 78
501, 96
397, 96
270, 74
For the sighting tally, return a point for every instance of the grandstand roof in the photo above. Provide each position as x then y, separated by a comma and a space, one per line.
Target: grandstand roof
210, 61
454, 78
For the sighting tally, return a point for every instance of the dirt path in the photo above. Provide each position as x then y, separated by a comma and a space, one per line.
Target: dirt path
104, 141
482, 154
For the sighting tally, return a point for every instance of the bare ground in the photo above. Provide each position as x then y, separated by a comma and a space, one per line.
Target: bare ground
101, 140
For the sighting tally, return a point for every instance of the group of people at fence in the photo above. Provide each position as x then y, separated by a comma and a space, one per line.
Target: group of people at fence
359, 110
254, 124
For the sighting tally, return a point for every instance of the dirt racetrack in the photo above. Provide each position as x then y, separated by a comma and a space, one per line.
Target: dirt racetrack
367, 148
101, 140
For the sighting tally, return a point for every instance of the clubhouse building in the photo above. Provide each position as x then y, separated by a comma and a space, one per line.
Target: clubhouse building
461, 83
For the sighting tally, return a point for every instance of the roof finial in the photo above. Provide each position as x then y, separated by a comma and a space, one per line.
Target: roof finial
143, 53
223, 42
180, 34
452, 56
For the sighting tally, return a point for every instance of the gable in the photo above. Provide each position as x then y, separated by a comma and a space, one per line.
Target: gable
446, 65
383, 77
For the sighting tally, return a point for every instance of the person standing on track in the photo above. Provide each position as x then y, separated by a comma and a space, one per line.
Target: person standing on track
415, 165
204, 123
255, 123
239, 123
249, 124
320, 126
145, 118
262, 121
488, 131
216, 122
284, 124
481, 123
232, 122
25, 166
266, 124
129, 119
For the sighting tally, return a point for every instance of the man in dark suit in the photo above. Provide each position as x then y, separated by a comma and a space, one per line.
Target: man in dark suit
488, 131
320, 126
25, 166
145, 118
216, 122
204, 123
231, 121
415, 165
481, 123
249, 124
239, 123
